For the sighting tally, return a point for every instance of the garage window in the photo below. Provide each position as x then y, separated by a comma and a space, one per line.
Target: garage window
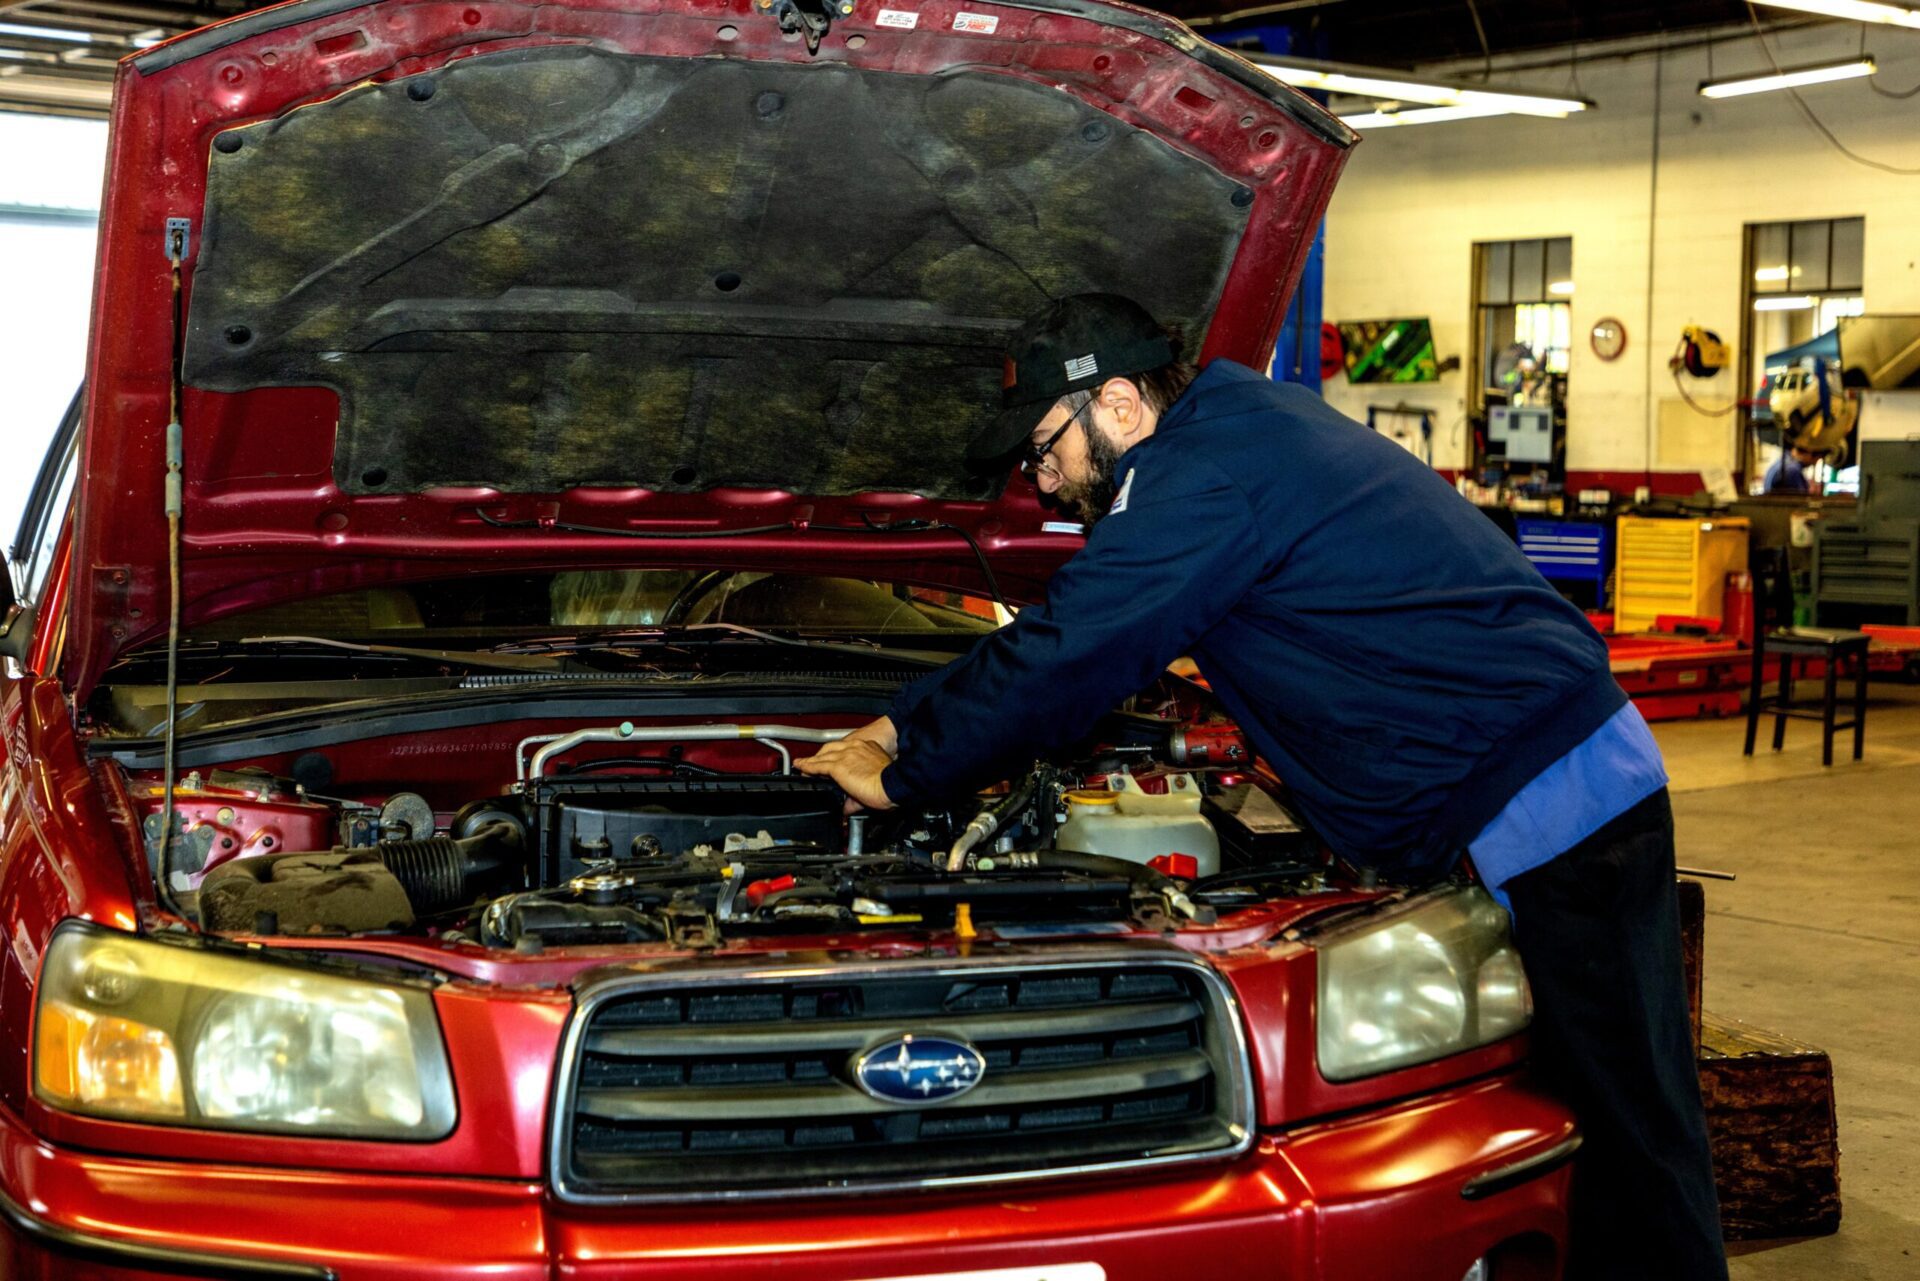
1800, 279
1523, 313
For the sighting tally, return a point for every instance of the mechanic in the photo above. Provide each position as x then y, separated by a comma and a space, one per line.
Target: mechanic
1788, 475
1420, 688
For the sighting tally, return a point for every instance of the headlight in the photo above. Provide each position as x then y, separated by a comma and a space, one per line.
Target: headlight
1433, 980
142, 1031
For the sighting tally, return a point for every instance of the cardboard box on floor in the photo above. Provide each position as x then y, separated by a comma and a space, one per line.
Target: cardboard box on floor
1770, 1117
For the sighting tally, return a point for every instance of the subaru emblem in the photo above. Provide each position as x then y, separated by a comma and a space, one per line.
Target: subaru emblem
919, 1069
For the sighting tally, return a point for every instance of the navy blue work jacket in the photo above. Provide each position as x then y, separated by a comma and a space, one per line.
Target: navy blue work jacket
1386, 647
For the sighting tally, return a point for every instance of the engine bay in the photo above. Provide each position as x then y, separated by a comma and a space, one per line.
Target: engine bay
682, 835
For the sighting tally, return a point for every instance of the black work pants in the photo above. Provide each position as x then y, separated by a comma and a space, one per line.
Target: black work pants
1599, 931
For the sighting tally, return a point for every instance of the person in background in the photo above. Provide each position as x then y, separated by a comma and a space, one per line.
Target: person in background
1788, 475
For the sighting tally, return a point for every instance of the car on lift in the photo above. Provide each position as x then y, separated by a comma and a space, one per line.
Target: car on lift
511, 433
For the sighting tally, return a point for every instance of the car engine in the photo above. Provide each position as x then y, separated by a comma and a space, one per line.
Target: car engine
587, 847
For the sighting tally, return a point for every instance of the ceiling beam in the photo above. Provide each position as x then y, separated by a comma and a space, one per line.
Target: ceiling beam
150, 15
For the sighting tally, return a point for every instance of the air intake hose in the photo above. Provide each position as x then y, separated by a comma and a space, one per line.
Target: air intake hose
443, 873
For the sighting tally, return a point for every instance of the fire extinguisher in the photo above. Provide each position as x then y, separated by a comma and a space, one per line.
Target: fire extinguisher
1736, 608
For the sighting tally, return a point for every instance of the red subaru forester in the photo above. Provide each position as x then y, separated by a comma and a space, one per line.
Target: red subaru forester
512, 433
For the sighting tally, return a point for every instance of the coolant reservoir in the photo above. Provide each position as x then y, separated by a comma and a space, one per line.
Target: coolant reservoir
1126, 822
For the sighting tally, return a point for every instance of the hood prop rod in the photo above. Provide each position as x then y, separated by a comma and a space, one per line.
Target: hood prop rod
178, 232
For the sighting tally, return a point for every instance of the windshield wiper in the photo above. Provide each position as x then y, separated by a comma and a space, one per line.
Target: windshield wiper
490, 659
709, 633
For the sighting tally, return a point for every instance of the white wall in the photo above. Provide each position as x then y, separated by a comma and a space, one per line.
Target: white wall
1414, 200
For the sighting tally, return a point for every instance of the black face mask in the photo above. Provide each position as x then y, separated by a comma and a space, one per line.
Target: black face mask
1093, 499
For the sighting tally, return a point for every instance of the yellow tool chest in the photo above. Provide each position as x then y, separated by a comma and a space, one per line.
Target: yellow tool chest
1673, 566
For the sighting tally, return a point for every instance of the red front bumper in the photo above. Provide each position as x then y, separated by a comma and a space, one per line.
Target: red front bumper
1371, 1196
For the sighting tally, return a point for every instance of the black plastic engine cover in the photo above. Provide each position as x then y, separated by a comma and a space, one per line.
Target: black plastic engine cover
588, 820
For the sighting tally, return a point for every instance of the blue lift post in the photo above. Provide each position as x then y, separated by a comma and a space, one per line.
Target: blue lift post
1296, 357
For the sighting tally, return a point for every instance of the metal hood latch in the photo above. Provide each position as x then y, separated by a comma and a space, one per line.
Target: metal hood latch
811, 18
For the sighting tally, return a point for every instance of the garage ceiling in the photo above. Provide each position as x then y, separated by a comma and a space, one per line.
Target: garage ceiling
1406, 33
57, 55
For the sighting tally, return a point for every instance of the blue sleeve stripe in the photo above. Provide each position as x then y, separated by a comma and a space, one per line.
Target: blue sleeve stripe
1616, 768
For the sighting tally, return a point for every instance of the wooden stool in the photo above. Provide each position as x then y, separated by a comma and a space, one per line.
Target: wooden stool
1792, 643
1772, 601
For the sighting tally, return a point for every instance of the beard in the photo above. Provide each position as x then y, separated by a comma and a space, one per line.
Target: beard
1092, 498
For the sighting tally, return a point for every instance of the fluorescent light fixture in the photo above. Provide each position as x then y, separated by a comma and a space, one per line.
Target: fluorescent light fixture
1397, 86
1405, 91
147, 39
1802, 303
1857, 10
1525, 104
1560, 288
1766, 274
1419, 116
65, 93
1792, 78
44, 33
1362, 86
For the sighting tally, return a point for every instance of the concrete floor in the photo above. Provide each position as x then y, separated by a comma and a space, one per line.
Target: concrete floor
1819, 940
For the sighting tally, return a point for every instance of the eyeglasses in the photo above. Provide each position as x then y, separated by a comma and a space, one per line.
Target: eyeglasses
1035, 460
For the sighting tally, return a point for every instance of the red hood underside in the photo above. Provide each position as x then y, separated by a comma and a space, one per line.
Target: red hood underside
424, 340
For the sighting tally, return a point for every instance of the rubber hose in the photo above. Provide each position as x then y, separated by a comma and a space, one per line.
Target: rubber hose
1143, 877
1149, 878
1015, 800
442, 873
989, 820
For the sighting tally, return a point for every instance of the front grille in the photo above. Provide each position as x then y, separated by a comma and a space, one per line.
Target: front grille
738, 1084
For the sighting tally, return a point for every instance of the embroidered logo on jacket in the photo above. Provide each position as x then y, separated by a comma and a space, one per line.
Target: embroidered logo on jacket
1120, 499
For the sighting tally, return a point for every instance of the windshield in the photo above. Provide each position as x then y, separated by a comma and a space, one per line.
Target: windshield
582, 602
446, 636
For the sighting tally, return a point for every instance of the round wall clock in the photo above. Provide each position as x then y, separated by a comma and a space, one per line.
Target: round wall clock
1609, 338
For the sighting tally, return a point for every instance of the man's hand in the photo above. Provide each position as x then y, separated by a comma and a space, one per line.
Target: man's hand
855, 763
881, 732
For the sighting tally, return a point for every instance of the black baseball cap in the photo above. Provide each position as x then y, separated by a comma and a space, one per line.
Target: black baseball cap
1075, 344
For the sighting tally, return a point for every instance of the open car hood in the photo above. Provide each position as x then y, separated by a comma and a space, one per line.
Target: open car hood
465, 283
